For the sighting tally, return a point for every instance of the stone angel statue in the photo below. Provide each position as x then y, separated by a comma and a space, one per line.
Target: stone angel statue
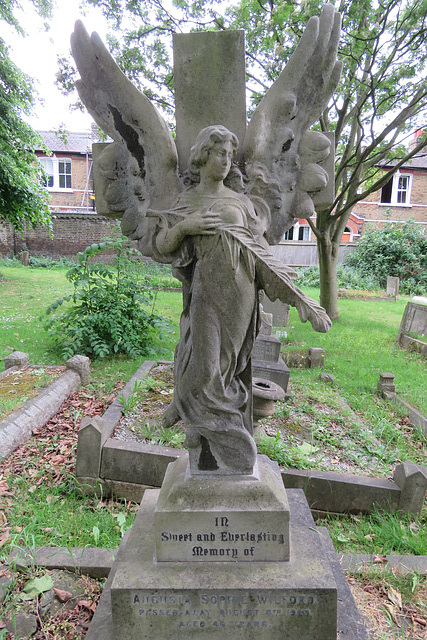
216, 223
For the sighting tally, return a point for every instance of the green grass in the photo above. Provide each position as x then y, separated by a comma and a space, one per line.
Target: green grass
379, 533
360, 346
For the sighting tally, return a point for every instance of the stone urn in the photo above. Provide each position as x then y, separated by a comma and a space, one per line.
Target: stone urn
265, 395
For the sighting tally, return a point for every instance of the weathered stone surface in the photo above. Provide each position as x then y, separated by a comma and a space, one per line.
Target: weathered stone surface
277, 372
327, 377
92, 562
209, 80
386, 382
233, 519
412, 480
279, 311
266, 348
93, 433
217, 600
16, 359
350, 626
317, 357
416, 418
414, 319
23, 625
19, 425
392, 288
343, 491
81, 365
134, 461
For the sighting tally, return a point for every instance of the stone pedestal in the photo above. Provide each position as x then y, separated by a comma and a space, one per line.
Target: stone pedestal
208, 596
236, 518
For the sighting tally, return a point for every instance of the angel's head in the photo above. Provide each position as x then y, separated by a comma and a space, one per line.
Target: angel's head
210, 138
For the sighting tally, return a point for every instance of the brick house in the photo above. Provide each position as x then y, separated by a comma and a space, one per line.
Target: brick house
403, 197
69, 171
75, 224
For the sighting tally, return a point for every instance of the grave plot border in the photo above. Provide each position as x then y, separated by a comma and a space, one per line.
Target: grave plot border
18, 426
107, 466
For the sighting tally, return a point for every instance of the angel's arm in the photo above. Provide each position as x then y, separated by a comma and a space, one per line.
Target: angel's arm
170, 238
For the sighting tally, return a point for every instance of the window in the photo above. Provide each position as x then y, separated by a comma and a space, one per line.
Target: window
397, 190
58, 172
298, 232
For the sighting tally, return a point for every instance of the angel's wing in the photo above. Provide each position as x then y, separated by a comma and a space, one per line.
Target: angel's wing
143, 158
279, 151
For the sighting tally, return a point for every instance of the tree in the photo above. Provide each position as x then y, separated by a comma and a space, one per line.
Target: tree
381, 99
23, 198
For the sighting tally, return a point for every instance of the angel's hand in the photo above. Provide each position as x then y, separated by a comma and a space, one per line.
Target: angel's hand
204, 223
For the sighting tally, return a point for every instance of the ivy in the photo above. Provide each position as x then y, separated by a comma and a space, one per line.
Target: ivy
111, 308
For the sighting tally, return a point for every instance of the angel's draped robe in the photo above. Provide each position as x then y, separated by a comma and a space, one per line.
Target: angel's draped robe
212, 393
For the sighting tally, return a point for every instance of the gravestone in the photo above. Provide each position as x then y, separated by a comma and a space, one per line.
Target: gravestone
225, 553
414, 321
392, 286
267, 362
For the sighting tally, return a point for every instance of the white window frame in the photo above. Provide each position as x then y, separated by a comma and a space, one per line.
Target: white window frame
395, 190
296, 227
54, 174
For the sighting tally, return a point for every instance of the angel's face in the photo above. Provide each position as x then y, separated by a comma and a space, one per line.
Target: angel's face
219, 161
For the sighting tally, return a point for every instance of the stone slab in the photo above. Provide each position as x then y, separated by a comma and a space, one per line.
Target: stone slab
233, 519
349, 622
266, 348
277, 372
343, 492
209, 80
279, 310
92, 562
294, 600
136, 462
414, 319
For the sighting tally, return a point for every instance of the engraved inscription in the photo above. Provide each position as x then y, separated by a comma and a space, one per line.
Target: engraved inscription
223, 541
224, 610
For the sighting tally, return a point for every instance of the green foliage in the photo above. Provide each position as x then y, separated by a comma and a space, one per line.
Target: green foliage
23, 198
347, 278
394, 251
297, 456
109, 312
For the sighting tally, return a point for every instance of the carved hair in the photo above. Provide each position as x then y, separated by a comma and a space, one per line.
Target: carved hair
206, 141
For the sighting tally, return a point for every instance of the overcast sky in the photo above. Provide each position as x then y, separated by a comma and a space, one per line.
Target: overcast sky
36, 55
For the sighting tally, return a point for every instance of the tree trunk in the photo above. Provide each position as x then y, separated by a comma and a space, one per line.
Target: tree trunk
328, 258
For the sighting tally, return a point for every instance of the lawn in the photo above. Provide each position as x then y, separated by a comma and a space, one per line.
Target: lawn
40, 505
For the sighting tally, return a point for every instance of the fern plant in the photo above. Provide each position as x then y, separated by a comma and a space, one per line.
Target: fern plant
112, 308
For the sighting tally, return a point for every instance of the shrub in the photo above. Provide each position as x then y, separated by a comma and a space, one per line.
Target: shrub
109, 312
45, 262
347, 278
393, 251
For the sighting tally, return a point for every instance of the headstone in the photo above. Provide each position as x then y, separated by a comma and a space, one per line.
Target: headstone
218, 595
386, 383
412, 480
16, 359
279, 311
317, 357
414, 318
392, 286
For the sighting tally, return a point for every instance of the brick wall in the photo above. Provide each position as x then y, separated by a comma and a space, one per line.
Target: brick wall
71, 233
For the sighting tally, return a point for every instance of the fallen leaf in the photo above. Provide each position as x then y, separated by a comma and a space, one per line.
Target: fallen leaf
414, 527
389, 607
62, 595
86, 604
395, 597
4, 537
370, 536
380, 559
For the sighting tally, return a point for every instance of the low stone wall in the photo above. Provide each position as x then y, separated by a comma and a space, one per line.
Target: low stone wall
109, 466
